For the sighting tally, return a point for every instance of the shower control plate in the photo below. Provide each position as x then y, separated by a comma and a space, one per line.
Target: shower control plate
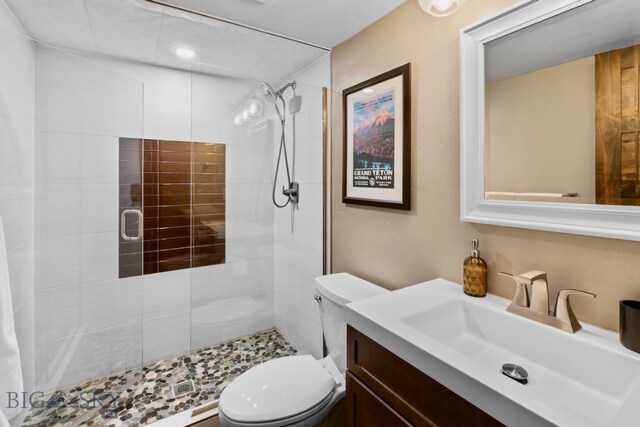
292, 192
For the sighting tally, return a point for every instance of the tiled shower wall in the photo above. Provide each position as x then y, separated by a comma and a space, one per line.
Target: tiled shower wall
298, 230
16, 176
89, 322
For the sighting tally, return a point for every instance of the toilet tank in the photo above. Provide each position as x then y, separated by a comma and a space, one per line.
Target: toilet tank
337, 290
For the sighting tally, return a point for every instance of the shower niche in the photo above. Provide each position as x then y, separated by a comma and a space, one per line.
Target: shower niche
171, 205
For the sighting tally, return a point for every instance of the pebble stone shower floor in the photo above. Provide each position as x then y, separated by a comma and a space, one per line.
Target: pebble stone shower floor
141, 396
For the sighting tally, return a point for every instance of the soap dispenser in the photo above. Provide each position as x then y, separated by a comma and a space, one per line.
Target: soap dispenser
475, 272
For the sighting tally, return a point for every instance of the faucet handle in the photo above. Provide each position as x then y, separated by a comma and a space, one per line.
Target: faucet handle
563, 310
532, 276
525, 278
521, 297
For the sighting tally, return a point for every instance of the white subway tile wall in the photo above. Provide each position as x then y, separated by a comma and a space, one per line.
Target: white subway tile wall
17, 176
298, 230
77, 224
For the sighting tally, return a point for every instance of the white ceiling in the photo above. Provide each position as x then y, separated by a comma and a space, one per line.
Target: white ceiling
324, 23
143, 31
594, 28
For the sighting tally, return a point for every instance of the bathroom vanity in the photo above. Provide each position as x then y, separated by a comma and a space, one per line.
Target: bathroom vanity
429, 355
383, 389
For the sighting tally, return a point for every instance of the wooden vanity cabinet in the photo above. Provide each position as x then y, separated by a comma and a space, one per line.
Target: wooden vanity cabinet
384, 390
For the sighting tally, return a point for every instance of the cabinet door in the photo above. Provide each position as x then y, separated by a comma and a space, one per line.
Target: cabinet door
365, 409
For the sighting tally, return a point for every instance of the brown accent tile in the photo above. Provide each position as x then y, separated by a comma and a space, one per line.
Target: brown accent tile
174, 167
203, 219
209, 189
184, 202
173, 232
130, 144
151, 145
175, 157
150, 268
177, 210
179, 146
206, 199
174, 199
130, 271
175, 243
174, 254
174, 264
174, 178
174, 221
199, 210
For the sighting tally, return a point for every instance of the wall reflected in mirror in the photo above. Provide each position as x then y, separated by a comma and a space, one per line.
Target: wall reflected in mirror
562, 106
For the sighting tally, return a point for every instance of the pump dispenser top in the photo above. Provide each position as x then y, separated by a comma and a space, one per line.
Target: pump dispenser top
475, 252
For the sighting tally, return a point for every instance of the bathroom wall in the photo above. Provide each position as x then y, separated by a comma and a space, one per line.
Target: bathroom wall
521, 126
398, 249
298, 230
16, 176
89, 322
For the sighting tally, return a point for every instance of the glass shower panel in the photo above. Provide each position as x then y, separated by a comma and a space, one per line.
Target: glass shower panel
88, 310
260, 301
233, 299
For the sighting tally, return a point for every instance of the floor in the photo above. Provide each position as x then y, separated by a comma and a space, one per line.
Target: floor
144, 395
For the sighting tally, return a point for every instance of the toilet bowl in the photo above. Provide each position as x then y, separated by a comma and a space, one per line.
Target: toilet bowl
299, 390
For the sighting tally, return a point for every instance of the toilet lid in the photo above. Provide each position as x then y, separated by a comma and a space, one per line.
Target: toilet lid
279, 388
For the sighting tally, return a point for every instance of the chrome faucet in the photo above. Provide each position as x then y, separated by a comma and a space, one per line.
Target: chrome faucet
537, 308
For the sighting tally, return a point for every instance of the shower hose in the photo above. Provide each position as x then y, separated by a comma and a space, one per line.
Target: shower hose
281, 150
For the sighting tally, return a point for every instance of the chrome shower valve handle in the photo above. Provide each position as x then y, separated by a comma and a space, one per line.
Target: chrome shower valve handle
291, 192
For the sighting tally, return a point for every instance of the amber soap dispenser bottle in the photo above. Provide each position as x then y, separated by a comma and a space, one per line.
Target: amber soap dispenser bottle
475, 272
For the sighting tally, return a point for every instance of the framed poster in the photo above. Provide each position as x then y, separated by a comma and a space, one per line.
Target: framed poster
376, 165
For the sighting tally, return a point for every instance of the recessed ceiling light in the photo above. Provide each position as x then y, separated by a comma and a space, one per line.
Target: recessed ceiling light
185, 53
440, 8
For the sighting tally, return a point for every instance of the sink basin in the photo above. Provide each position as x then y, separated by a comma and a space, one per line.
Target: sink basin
582, 379
564, 371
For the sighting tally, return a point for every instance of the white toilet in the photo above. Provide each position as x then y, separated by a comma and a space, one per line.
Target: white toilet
299, 390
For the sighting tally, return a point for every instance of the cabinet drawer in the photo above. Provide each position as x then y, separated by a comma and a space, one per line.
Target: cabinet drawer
366, 409
414, 395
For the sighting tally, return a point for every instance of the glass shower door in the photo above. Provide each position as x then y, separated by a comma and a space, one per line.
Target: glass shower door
88, 304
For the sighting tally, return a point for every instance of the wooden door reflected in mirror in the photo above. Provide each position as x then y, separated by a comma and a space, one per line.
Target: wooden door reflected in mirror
617, 92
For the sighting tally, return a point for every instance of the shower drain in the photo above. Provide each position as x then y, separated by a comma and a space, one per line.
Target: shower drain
183, 388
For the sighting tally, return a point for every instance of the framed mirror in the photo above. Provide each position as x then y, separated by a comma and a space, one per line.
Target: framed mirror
550, 126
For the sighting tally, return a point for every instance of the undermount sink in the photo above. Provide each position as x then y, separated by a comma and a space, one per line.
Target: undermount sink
582, 379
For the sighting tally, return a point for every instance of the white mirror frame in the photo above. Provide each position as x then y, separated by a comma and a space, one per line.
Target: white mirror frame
618, 222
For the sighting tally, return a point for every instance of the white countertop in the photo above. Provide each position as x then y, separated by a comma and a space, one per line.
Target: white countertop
596, 365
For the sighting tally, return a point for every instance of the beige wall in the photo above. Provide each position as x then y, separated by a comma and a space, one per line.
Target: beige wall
398, 249
541, 131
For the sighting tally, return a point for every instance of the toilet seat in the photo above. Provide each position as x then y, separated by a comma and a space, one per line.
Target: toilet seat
279, 392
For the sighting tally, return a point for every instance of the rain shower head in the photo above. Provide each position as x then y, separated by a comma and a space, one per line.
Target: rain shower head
268, 92
272, 95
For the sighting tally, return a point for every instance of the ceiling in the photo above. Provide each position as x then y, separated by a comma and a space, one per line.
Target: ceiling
594, 28
147, 32
325, 23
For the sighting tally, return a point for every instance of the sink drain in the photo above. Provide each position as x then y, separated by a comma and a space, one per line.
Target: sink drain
515, 372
